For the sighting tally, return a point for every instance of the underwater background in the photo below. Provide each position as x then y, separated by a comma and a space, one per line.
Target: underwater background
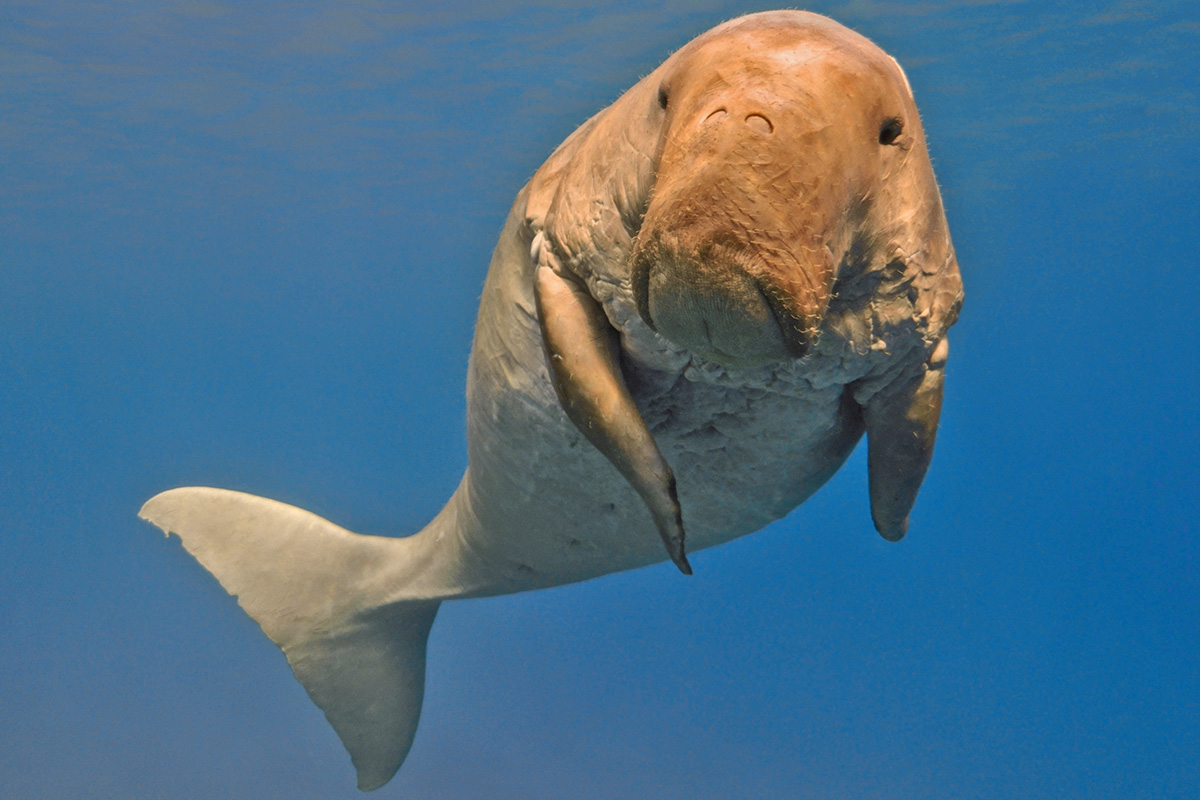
242, 245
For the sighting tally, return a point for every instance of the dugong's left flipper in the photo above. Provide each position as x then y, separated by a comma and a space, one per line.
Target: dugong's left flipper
581, 350
315, 590
901, 424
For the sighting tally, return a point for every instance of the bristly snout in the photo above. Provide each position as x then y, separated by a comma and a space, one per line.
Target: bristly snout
732, 260
761, 168
717, 297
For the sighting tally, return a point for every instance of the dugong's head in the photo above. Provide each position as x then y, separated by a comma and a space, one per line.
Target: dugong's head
785, 142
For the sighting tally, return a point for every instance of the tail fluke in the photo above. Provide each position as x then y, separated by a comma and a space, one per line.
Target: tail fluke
369, 679
310, 585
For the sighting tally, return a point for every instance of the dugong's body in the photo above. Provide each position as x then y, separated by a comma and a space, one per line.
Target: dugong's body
697, 307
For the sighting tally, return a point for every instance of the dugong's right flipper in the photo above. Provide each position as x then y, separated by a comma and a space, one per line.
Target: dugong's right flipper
581, 350
315, 590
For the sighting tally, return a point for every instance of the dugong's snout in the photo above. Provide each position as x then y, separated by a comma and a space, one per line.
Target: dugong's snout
721, 299
735, 258
760, 172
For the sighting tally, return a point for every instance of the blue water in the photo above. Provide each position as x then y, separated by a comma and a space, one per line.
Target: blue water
243, 247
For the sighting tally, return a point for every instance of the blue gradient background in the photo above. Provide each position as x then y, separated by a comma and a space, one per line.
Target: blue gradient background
243, 247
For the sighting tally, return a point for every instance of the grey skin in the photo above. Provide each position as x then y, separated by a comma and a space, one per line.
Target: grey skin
697, 307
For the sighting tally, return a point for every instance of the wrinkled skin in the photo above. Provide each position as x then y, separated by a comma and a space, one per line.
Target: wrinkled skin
778, 161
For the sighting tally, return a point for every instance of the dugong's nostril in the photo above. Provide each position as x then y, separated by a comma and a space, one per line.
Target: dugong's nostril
759, 123
715, 116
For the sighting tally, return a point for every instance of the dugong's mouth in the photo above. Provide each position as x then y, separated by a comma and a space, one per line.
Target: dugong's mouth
717, 300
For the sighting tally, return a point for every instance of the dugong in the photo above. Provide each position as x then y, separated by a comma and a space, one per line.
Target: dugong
698, 305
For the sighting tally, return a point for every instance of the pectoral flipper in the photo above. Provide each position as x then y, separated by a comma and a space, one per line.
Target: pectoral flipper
901, 424
581, 352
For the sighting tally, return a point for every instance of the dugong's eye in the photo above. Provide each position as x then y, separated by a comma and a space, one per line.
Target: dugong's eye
890, 130
663, 92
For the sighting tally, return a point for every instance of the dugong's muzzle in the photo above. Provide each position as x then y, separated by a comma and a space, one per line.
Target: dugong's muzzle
717, 297
733, 258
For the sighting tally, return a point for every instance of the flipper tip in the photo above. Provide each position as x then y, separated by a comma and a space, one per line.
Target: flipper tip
893, 533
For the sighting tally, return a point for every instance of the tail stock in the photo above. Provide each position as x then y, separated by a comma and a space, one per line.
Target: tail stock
315, 590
